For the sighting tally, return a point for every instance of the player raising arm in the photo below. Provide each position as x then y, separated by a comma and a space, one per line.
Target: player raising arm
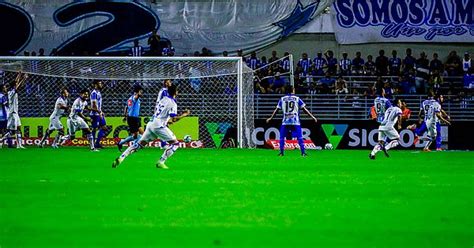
13, 122
165, 113
387, 130
55, 119
290, 105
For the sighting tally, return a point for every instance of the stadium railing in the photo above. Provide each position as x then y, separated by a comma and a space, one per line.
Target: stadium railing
357, 107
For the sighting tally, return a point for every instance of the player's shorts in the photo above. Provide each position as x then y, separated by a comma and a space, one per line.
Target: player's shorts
431, 128
388, 132
13, 121
55, 123
3, 124
153, 132
290, 131
97, 121
76, 124
134, 123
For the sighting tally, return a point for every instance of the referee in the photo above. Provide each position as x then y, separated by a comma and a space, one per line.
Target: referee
132, 116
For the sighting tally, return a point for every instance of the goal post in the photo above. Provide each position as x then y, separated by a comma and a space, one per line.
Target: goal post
217, 90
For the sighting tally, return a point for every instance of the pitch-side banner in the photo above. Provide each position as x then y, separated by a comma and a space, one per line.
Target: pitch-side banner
366, 21
112, 26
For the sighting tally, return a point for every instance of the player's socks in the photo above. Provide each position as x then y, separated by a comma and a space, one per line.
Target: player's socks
126, 140
391, 145
99, 138
282, 145
376, 149
19, 141
56, 139
139, 136
428, 144
91, 141
45, 136
168, 152
301, 143
131, 149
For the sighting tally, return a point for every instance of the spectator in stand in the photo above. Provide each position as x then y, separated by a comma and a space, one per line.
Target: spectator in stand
469, 79
370, 92
258, 88
412, 81
435, 82
154, 42
345, 65
422, 73
406, 114
305, 65
275, 66
326, 84
381, 64
136, 50
389, 92
253, 62
409, 61
379, 84
466, 63
319, 64
341, 86
436, 64
54, 52
395, 63
332, 62
41, 52
370, 66
277, 83
453, 64
240, 53
358, 65
225, 54
404, 85
285, 63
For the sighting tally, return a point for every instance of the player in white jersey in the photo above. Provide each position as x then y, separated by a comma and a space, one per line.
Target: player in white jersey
420, 130
432, 117
55, 124
165, 113
161, 94
77, 120
290, 105
387, 130
381, 104
13, 119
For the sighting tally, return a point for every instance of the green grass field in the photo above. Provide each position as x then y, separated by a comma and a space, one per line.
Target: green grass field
236, 198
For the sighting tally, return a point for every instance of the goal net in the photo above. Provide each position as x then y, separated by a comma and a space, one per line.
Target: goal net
217, 90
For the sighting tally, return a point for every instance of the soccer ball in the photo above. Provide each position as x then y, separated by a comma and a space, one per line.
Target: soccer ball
328, 146
187, 138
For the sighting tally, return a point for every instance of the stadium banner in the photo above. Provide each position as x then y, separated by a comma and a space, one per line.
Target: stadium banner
358, 134
77, 27
33, 129
290, 144
366, 21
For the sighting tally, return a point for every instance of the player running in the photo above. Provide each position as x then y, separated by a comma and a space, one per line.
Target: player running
55, 124
165, 113
387, 130
422, 116
13, 120
77, 120
96, 114
132, 116
432, 118
3, 111
290, 105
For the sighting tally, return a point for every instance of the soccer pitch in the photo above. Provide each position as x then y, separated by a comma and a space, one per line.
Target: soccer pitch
71, 197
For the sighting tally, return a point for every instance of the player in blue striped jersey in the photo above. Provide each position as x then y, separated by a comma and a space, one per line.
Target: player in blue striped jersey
421, 129
132, 117
381, 104
97, 116
3, 111
290, 105
319, 64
